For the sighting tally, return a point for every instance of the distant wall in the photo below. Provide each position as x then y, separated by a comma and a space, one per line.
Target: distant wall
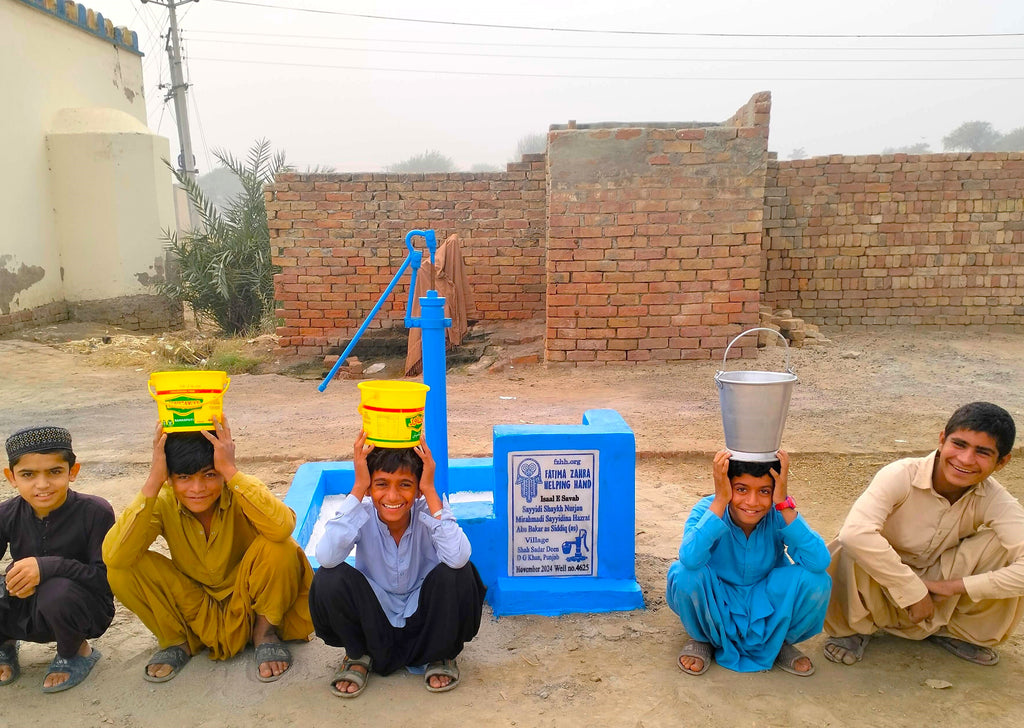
340, 238
85, 194
893, 240
654, 237
660, 242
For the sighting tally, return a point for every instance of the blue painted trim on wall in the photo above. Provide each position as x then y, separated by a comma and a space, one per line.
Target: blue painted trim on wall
80, 21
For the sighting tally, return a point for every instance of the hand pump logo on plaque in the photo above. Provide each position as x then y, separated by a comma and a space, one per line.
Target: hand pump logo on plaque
553, 499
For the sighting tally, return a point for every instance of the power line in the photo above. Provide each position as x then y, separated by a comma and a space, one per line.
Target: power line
608, 58
601, 46
617, 32
606, 78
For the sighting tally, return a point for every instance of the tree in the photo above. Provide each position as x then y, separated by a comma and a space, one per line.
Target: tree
1012, 141
919, 148
225, 271
429, 161
531, 144
485, 167
972, 136
798, 153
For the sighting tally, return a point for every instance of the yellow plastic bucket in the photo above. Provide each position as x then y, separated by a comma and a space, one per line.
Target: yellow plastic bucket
392, 412
187, 401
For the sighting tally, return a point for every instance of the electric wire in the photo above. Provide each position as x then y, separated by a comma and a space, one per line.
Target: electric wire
610, 58
765, 78
602, 46
318, 11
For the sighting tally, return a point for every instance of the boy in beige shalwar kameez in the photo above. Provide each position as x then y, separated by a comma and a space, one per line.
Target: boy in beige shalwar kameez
934, 548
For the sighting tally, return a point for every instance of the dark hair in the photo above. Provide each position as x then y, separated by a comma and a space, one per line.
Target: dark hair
393, 459
988, 418
188, 453
66, 455
743, 467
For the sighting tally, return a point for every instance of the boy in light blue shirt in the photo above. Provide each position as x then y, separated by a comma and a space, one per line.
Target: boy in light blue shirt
413, 597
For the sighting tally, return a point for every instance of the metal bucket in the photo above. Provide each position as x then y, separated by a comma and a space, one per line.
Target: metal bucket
754, 406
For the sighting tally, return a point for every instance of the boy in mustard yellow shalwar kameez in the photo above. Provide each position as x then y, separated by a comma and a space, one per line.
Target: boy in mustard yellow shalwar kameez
235, 575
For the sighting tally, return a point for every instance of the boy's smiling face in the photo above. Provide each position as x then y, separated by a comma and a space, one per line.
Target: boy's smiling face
393, 495
42, 480
199, 492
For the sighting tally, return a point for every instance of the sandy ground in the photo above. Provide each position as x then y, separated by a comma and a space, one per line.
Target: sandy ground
861, 402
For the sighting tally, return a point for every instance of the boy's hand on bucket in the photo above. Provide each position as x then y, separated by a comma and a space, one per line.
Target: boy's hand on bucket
781, 478
158, 474
223, 448
427, 488
360, 449
723, 487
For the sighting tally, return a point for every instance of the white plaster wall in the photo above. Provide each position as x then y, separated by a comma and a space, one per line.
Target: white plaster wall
46, 66
112, 194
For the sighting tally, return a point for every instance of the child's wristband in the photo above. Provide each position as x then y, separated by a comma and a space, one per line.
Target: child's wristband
438, 513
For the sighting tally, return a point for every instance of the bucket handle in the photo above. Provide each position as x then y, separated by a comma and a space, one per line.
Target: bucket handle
725, 356
152, 390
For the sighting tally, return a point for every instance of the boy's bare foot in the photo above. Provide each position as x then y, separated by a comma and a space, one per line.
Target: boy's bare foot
263, 632
160, 670
695, 657
350, 678
846, 650
59, 678
347, 686
10, 652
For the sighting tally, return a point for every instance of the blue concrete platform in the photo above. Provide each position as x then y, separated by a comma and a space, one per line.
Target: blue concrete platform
551, 517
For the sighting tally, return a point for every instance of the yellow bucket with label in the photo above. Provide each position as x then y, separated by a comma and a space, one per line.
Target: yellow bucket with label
392, 412
187, 401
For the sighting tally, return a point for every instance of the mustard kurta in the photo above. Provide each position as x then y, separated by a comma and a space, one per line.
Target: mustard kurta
210, 591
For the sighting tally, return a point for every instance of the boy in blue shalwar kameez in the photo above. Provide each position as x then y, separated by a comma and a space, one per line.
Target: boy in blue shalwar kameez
750, 581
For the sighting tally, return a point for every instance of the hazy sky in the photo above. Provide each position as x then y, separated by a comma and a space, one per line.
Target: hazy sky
357, 93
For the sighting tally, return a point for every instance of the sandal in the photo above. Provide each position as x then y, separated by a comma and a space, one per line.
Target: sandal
442, 668
854, 645
77, 668
9, 657
966, 650
356, 677
696, 648
787, 658
175, 656
272, 652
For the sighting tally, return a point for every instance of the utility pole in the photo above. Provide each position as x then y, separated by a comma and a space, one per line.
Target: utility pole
176, 91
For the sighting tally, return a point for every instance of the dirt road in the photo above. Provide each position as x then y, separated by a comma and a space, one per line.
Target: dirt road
861, 402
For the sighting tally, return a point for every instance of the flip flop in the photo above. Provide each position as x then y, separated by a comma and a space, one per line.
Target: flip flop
175, 656
9, 657
787, 658
854, 644
442, 668
77, 668
272, 652
966, 650
345, 672
696, 648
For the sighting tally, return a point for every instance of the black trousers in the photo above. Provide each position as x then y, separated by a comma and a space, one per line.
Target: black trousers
61, 611
346, 614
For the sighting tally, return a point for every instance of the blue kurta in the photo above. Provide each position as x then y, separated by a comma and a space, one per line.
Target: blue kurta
745, 595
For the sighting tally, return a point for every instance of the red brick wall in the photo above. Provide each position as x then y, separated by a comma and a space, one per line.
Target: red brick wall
654, 238
50, 313
895, 240
340, 238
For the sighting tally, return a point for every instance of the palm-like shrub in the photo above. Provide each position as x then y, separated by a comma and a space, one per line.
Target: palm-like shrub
225, 273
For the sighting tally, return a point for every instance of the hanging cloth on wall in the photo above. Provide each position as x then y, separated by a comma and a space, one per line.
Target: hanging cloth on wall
452, 283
